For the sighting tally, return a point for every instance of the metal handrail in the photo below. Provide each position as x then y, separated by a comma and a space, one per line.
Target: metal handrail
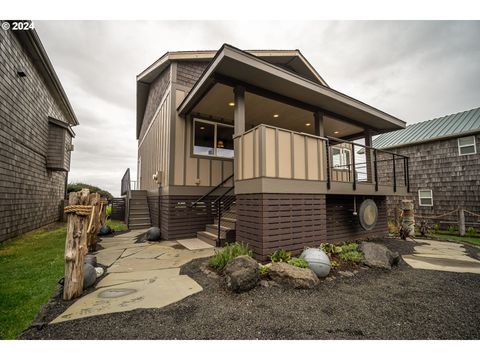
211, 191
226, 204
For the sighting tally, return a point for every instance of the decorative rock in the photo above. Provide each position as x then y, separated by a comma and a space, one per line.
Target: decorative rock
99, 271
318, 261
241, 274
90, 259
292, 276
153, 234
105, 230
346, 273
89, 275
378, 256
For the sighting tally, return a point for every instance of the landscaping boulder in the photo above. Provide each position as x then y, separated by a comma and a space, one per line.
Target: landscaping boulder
89, 275
105, 230
378, 256
90, 259
241, 274
292, 276
153, 234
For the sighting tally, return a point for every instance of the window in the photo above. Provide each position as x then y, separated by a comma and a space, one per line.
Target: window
340, 158
212, 139
425, 198
467, 146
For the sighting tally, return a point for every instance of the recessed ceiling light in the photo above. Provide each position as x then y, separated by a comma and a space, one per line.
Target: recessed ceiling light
276, 115
336, 132
308, 124
202, 127
231, 104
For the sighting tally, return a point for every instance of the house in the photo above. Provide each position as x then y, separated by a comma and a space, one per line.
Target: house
35, 135
444, 166
254, 146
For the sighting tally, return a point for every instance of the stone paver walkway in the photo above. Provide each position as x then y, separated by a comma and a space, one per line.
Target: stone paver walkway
139, 275
442, 256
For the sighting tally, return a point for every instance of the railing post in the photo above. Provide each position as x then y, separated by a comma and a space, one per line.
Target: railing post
394, 175
375, 169
219, 214
408, 176
353, 168
327, 146
405, 170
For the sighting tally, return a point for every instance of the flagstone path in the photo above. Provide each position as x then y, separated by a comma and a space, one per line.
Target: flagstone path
139, 275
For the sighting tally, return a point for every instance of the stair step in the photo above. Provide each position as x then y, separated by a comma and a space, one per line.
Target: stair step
209, 238
227, 222
139, 212
213, 229
139, 218
139, 226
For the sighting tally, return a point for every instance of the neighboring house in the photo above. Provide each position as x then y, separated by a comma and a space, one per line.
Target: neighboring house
257, 127
35, 135
444, 161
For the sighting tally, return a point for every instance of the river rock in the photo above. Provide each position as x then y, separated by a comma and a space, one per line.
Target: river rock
89, 275
241, 274
293, 276
153, 234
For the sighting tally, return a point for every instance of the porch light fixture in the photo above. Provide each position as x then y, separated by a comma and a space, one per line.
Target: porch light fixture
308, 124
276, 115
231, 104
202, 127
336, 132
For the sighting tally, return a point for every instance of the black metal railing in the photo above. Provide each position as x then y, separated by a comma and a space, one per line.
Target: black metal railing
203, 197
224, 207
381, 167
125, 186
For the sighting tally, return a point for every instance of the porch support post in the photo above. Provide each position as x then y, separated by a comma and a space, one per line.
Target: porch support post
368, 155
239, 111
319, 125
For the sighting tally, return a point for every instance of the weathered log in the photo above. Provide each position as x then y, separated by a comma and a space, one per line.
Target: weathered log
408, 221
103, 212
75, 244
93, 221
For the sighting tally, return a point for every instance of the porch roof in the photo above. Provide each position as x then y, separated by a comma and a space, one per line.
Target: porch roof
234, 66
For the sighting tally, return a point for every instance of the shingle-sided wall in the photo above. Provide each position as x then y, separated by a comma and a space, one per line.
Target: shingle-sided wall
454, 179
188, 72
30, 195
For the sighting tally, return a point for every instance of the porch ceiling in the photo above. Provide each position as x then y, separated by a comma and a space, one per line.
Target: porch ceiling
236, 66
260, 110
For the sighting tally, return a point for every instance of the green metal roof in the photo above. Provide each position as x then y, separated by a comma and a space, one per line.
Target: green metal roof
444, 127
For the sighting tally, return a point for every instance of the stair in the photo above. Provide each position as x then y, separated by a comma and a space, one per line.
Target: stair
139, 212
227, 225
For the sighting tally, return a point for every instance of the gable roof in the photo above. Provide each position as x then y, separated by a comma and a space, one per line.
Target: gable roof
231, 63
291, 60
462, 123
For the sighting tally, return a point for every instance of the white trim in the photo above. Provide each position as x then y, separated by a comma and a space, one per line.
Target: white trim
215, 124
462, 146
425, 197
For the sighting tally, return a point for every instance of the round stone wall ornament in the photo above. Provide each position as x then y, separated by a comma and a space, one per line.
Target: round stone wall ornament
317, 260
368, 214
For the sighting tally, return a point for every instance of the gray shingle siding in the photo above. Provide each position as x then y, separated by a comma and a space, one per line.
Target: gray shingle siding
30, 194
188, 72
454, 179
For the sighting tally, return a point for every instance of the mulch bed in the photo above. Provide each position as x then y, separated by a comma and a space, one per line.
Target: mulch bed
376, 304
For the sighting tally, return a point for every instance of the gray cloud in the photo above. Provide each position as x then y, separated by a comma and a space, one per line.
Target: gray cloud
415, 70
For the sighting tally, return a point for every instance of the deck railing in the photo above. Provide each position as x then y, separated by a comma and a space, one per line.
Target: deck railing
267, 151
125, 186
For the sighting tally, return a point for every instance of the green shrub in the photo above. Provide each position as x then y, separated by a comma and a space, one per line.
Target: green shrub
354, 256
108, 211
74, 187
281, 255
330, 248
301, 263
436, 228
263, 269
472, 232
452, 230
334, 264
349, 247
229, 252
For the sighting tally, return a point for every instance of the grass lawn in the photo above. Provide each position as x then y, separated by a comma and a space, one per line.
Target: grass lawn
30, 266
464, 239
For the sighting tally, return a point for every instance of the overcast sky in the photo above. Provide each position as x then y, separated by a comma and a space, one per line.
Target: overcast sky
412, 70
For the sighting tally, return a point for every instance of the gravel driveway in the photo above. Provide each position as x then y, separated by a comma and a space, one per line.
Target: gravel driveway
400, 304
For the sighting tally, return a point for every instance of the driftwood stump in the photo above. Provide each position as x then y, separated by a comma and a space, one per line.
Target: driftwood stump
408, 221
76, 243
103, 212
93, 221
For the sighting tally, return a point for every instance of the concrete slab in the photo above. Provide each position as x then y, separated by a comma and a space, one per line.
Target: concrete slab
442, 256
108, 257
194, 244
150, 293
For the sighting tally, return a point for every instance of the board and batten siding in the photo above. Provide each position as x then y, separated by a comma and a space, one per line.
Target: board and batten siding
30, 194
154, 148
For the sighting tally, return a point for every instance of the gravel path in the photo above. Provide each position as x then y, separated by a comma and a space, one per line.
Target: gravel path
400, 304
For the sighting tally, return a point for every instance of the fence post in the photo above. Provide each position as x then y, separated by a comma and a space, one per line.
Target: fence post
461, 221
